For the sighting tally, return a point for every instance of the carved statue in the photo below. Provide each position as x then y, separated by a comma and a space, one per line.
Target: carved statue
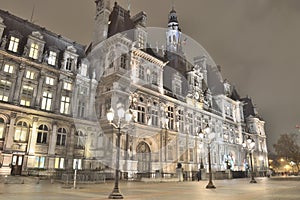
45, 57
3, 42
25, 51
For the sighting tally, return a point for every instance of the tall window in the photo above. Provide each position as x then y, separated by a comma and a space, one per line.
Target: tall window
142, 72
81, 108
46, 101
189, 121
39, 162
4, 90
27, 95
182, 153
30, 74
2, 128
34, 51
21, 132
123, 61
141, 41
52, 58
177, 88
49, 81
59, 163
69, 63
13, 44
170, 115
154, 116
180, 121
141, 114
107, 103
67, 86
154, 78
191, 151
79, 140
8, 68
42, 134
61, 137
65, 105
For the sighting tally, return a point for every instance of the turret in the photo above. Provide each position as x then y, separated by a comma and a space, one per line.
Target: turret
174, 33
101, 21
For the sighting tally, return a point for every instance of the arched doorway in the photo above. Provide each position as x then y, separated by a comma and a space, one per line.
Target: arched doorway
143, 157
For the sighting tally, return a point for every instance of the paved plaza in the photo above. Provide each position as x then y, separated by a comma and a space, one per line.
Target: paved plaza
265, 188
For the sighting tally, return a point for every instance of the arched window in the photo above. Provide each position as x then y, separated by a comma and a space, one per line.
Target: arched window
79, 140
21, 132
174, 39
42, 134
61, 137
2, 128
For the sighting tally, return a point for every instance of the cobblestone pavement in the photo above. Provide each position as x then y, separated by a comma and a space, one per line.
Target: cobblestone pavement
265, 188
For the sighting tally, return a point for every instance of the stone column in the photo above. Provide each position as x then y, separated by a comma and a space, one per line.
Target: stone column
19, 84
58, 97
70, 148
39, 94
11, 132
52, 144
32, 137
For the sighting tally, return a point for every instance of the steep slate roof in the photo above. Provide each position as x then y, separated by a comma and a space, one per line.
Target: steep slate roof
25, 28
120, 21
214, 79
249, 108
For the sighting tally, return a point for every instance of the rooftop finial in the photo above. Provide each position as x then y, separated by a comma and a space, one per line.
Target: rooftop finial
173, 5
129, 5
32, 14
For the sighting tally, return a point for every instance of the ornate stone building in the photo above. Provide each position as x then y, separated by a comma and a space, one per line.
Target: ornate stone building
55, 94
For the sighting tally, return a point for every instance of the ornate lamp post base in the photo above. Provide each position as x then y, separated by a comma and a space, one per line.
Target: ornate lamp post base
115, 194
252, 179
210, 185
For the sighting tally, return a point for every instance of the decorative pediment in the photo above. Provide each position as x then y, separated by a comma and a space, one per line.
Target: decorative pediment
37, 34
71, 49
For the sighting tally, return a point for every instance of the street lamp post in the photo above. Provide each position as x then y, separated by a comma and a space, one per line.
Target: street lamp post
163, 144
206, 133
249, 146
122, 117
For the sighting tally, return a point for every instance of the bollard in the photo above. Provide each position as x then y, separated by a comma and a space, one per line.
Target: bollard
5, 179
51, 181
22, 182
38, 180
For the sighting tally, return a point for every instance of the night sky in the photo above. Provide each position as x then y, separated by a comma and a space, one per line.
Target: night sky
256, 42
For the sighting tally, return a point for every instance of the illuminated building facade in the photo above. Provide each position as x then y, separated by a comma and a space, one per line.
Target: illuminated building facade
55, 94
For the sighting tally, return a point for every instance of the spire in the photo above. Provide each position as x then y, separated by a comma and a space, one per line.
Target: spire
173, 5
174, 33
173, 14
129, 5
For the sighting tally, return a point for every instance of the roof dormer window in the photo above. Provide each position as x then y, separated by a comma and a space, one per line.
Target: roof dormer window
34, 51
52, 58
69, 64
13, 44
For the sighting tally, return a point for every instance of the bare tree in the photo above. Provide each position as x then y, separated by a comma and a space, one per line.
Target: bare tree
288, 148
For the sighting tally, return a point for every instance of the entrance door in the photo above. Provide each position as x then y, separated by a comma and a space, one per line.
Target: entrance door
144, 158
16, 164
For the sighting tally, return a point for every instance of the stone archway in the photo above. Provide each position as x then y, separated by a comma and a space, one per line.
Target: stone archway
143, 158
